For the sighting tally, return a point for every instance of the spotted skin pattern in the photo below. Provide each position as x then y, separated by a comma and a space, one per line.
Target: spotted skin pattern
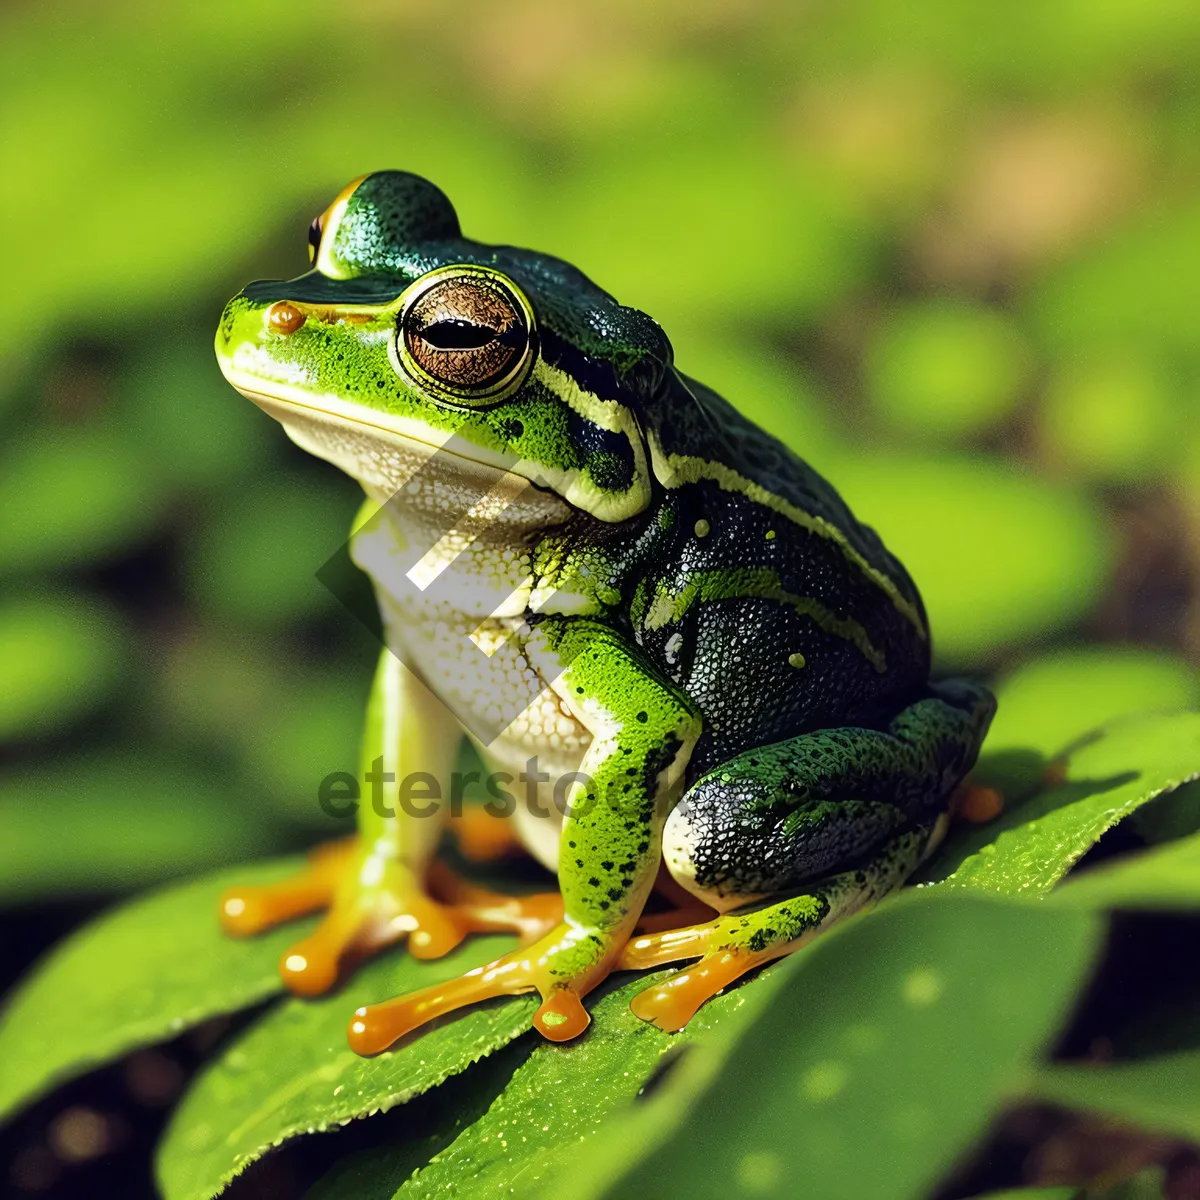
773, 819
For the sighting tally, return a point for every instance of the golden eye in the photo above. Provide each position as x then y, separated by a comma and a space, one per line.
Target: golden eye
468, 333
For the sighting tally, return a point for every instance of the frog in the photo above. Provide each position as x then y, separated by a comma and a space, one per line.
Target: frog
714, 680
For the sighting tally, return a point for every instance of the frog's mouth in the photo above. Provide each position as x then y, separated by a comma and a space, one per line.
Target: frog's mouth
287, 408
387, 454
384, 451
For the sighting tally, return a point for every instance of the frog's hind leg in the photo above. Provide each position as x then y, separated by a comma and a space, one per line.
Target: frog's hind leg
731, 945
775, 818
782, 822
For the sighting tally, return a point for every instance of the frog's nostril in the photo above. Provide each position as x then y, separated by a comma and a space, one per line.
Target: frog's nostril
283, 317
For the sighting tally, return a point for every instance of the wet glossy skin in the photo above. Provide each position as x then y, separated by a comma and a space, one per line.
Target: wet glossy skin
583, 555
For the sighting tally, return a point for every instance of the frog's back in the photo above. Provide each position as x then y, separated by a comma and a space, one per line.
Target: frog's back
773, 607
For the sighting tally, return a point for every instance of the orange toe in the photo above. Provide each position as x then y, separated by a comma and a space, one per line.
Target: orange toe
246, 911
375, 1027
311, 966
483, 911
433, 929
362, 918
644, 951
561, 1017
672, 1003
249, 910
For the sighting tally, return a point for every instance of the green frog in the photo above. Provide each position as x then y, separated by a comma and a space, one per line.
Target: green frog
707, 675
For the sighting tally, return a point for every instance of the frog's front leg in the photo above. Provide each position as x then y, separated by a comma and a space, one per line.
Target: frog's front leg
384, 885
643, 731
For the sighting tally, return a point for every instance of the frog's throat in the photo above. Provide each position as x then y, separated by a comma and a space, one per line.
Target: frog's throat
381, 451
330, 414
350, 436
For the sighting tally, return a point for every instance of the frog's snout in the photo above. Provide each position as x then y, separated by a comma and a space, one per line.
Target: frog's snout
229, 328
240, 324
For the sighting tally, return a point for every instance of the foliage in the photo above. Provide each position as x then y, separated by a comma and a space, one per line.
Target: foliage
935, 987
947, 251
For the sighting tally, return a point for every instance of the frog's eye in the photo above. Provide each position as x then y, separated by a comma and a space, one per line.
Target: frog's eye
465, 333
314, 239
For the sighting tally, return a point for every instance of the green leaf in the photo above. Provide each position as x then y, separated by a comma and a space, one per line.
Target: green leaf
1161, 1095
909, 1024
563, 1093
1166, 877
293, 1073
1052, 700
140, 974
425, 1129
1034, 844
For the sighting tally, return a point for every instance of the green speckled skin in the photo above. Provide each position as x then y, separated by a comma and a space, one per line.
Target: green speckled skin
747, 664
615, 824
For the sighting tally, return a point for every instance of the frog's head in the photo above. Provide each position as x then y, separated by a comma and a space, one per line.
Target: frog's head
407, 340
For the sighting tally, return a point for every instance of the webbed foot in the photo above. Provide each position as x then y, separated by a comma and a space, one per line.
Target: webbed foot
373, 901
730, 946
724, 958
563, 966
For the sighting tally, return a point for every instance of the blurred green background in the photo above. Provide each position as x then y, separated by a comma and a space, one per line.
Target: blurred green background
948, 249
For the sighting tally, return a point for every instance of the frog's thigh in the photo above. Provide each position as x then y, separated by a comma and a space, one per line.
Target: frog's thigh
772, 819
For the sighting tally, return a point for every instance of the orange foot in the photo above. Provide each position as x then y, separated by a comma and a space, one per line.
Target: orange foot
372, 902
545, 967
671, 1003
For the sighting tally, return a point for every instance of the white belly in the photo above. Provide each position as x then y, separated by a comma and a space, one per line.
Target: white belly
546, 739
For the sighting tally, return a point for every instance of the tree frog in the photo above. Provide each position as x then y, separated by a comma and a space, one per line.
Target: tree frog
707, 672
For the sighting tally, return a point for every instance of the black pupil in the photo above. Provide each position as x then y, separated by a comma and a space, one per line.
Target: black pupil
457, 335
314, 234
